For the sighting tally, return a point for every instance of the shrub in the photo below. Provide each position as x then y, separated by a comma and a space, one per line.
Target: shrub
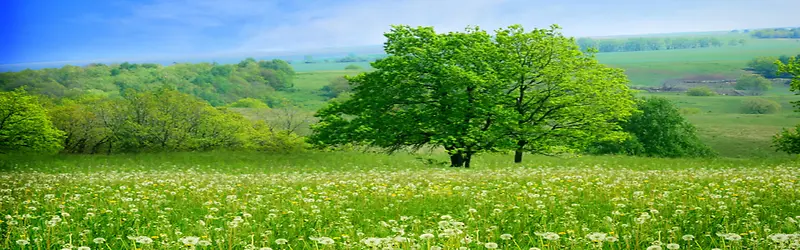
756, 84
353, 67
336, 87
760, 106
701, 91
656, 130
788, 141
248, 103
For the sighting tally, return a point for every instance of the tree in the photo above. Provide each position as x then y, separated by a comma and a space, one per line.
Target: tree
561, 98
336, 86
431, 90
756, 84
460, 91
789, 140
25, 126
764, 66
656, 130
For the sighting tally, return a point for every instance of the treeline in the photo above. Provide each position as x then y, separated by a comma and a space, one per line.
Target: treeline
218, 84
654, 43
766, 67
776, 33
162, 119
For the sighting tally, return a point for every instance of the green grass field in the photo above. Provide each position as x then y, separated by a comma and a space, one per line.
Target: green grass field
363, 201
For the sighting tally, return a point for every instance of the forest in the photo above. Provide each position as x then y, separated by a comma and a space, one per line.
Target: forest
217, 84
654, 43
776, 33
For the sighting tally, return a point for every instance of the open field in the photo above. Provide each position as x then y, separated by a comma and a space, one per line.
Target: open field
363, 201
651, 68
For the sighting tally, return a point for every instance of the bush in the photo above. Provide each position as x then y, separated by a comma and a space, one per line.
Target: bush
756, 84
760, 106
353, 67
690, 111
788, 141
656, 130
248, 103
701, 91
336, 87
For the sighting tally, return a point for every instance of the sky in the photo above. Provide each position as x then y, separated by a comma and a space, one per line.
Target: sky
86, 30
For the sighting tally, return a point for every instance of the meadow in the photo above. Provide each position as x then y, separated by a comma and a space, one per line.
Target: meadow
341, 200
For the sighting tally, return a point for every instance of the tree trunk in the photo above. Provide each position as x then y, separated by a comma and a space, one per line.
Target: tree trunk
518, 154
456, 160
467, 159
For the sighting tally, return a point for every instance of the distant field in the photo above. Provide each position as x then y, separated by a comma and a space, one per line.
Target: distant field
731, 133
651, 68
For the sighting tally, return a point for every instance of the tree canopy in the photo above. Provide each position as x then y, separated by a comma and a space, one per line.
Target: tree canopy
789, 140
218, 84
471, 92
25, 126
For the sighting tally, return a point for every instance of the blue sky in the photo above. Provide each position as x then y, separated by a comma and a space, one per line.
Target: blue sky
86, 30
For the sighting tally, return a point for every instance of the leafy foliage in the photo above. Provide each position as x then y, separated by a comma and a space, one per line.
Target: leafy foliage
159, 120
248, 103
647, 44
701, 91
789, 140
657, 130
469, 92
25, 126
755, 84
336, 87
776, 33
214, 83
760, 106
766, 67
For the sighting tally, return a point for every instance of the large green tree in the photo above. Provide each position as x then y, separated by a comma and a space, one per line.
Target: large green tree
461, 91
432, 89
25, 126
561, 98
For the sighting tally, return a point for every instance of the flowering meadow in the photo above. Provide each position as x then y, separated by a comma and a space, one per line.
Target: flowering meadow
398, 203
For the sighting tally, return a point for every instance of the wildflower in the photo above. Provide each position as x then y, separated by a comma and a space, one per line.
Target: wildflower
673, 246
99, 240
281, 241
372, 242
436, 248
143, 240
84, 248
325, 240
265, 248
23, 242
426, 236
505, 236
190, 240
654, 247
596, 237
204, 243
490, 245
688, 237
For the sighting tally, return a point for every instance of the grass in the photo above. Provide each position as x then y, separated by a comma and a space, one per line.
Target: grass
652, 68
346, 200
